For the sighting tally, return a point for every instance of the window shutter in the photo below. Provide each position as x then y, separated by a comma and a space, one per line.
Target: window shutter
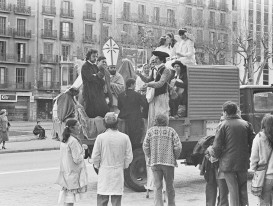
61, 29
53, 77
6, 75
41, 74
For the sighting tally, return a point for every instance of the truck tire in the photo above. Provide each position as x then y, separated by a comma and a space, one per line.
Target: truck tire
136, 176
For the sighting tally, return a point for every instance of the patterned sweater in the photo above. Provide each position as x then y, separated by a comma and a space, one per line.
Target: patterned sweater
162, 146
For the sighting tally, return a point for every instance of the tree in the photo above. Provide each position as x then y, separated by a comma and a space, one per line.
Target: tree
248, 50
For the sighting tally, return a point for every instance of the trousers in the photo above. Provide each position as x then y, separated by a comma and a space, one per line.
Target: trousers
102, 200
160, 171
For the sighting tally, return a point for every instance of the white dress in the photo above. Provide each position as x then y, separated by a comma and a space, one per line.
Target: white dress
186, 47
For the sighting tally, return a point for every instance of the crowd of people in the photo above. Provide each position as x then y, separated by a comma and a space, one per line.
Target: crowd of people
157, 93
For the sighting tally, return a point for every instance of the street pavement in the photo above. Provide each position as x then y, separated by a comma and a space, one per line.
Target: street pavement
21, 138
28, 179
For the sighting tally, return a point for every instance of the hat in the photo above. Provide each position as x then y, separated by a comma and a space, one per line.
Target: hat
160, 54
179, 63
111, 118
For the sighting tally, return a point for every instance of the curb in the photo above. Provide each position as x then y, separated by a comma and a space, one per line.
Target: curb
29, 150
22, 138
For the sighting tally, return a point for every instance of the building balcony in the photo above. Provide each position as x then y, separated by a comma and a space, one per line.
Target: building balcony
22, 10
49, 59
223, 7
107, 1
16, 86
222, 27
5, 8
107, 18
212, 25
212, 5
6, 32
66, 59
49, 85
190, 2
90, 39
169, 22
67, 13
15, 59
49, 34
135, 17
199, 23
67, 36
89, 16
155, 21
49, 10
22, 34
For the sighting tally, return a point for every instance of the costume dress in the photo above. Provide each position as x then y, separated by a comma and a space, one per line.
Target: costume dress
93, 91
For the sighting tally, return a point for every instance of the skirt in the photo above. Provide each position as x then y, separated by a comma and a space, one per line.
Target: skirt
71, 196
4, 136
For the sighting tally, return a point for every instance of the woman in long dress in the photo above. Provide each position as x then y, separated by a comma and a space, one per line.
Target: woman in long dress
73, 173
4, 128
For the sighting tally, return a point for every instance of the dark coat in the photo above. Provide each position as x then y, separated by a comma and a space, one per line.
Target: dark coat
232, 144
93, 93
184, 85
130, 104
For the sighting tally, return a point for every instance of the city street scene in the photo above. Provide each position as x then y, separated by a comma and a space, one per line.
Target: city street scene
136, 102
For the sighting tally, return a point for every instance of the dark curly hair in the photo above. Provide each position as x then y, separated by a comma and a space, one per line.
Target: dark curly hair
67, 132
267, 127
91, 51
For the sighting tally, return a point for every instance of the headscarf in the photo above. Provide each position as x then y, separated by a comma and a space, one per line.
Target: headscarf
127, 70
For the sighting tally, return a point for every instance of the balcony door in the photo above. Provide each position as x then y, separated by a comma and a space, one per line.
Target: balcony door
47, 77
88, 32
126, 10
65, 52
48, 52
2, 50
21, 52
3, 25
3, 76
49, 3
20, 78
21, 27
48, 27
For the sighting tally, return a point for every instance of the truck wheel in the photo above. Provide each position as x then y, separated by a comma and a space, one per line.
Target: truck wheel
136, 176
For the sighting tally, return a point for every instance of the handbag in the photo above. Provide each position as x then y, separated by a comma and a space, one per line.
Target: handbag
150, 93
259, 177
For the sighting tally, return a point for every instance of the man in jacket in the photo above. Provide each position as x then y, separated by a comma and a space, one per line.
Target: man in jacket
162, 148
112, 153
231, 146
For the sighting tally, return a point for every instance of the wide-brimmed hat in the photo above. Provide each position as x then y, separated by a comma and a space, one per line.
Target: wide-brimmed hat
179, 63
111, 118
2, 111
182, 31
160, 54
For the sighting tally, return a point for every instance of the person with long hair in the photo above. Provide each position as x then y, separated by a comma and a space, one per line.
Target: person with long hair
166, 43
73, 173
262, 147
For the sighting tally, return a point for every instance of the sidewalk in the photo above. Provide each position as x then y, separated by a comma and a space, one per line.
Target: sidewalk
21, 138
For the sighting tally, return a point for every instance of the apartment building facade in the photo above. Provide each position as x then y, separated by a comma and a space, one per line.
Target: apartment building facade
42, 40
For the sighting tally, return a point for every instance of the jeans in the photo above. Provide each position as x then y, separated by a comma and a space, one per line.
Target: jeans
237, 186
102, 200
160, 171
211, 188
266, 199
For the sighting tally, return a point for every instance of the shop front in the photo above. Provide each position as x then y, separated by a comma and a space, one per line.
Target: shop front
44, 109
16, 106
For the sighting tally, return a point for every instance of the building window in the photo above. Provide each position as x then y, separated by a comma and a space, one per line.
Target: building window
66, 29
21, 27
20, 75
2, 50
126, 28
48, 25
21, 52
141, 10
156, 14
21, 3
48, 51
200, 17
105, 33
234, 26
126, 10
66, 5
88, 32
212, 37
170, 16
65, 52
188, 16
234, 4
222, 19
2, 25
49, 3
3, 75
212, 18
199, 36
47, 77
67, 75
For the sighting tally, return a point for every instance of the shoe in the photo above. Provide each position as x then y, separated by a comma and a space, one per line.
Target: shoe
3, 147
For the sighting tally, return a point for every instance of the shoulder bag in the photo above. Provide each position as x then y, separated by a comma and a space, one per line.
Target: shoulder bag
259, 177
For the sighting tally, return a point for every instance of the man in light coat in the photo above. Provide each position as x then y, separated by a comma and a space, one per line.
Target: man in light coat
112, 153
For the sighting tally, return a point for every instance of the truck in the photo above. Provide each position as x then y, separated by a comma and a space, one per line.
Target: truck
209, 86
